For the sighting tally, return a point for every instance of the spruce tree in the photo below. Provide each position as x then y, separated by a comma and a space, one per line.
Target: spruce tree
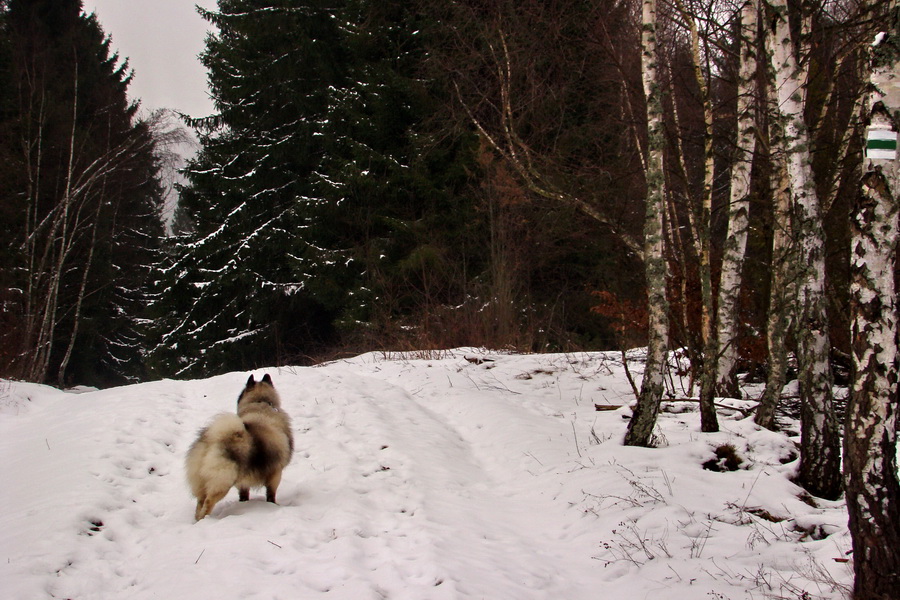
308, 187
243, 286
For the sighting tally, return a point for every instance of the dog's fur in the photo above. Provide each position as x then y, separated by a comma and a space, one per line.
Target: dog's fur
249, 449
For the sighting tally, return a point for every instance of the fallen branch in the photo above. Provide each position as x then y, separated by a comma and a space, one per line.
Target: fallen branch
744, 411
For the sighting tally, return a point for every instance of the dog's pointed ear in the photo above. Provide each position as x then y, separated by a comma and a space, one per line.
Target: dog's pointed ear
251, 382
267, 379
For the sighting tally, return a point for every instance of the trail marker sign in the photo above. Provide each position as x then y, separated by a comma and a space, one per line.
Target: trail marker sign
881, 144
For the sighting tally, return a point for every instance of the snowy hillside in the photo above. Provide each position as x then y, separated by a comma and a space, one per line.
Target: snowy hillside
434, 478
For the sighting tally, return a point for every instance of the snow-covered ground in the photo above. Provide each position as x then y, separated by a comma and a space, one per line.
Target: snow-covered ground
419, 478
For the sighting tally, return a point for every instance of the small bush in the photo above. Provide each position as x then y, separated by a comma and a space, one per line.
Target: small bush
727, 459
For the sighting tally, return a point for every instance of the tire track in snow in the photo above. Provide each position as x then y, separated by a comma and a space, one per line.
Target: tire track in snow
360, 482
456, 487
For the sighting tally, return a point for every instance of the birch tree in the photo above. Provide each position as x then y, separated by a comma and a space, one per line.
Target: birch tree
782, 289
640, 428
718, 320
779, 319
832, 113
735, 246
870, 439
696, 107
820, 442
701, 220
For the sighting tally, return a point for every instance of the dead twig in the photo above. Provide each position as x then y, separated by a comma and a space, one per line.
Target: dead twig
744, 411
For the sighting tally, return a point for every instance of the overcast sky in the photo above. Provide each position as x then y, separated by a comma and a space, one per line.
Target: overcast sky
161, 39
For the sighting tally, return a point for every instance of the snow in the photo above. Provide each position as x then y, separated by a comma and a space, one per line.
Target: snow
417, 477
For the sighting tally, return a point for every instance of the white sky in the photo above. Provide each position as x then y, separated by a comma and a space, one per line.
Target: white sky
162, 40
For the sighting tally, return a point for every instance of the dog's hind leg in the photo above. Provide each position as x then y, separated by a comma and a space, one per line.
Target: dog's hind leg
198, 513
272, 485
206, 505
243, 494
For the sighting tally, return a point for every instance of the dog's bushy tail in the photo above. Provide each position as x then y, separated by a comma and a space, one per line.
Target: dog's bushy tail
228, 431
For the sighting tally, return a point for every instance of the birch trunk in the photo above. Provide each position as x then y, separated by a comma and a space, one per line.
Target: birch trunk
780, 318
32, 146
739, 206
64, 363
58, 242
782, 294
640, 429
708, 419
870, 440
820, 442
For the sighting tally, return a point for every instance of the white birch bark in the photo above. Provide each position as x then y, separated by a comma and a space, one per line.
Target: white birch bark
739, 204
820, 451
703, 236
782, 292
43, 345
640, 429
870, 439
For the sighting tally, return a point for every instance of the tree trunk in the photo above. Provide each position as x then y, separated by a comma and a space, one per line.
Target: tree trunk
873, 492
782, 295
739, 207
58, 241
76, 317
820, 442
782, 290
32, 146
708, 420
640, 429
870, 440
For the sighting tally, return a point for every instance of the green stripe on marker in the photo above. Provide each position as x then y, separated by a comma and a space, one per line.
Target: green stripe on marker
882, 144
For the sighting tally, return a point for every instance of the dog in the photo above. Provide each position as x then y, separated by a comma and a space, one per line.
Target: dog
244, 450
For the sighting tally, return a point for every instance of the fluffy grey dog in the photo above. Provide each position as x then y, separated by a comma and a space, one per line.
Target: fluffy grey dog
247, 449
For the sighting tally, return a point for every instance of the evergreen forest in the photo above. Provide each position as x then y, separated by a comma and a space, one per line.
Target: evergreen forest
79, 198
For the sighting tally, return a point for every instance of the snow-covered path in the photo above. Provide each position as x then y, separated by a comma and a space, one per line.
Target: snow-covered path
412, 479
